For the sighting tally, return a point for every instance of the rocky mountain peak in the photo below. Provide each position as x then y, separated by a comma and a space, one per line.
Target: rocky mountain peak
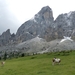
45, 9
45, 14
37, 25
5, 37
65, 25
6, 34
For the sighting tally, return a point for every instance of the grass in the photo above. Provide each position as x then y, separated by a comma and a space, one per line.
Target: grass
40, 65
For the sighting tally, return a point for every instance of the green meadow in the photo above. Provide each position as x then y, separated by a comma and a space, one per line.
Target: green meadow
40, 64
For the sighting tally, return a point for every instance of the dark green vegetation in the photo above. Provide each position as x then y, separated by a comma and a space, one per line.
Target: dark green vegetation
40, 64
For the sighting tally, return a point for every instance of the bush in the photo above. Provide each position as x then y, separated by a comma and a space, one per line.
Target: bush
22, 55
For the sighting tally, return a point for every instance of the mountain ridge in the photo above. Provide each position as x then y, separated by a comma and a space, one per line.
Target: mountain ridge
42, 26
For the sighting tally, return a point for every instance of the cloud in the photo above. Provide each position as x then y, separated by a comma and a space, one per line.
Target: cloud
7, 19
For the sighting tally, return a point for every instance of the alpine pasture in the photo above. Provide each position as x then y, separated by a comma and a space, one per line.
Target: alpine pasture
40, 64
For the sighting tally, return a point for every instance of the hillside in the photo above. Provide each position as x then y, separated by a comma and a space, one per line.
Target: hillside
40, 65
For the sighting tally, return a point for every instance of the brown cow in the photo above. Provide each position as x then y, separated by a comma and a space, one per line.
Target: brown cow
2, 63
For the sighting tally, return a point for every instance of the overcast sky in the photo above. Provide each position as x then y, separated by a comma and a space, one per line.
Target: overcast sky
15, 12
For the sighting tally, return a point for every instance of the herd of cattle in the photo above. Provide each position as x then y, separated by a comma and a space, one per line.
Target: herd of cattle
54, 61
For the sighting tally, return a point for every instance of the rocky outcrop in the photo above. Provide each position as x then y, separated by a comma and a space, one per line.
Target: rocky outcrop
6, 38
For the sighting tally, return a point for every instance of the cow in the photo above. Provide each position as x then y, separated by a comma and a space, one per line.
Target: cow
2, 63
56, 60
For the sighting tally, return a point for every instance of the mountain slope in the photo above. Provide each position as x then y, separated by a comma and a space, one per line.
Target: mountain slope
33, 46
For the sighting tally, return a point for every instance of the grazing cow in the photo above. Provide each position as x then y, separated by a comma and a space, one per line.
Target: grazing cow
2, 63
56, 60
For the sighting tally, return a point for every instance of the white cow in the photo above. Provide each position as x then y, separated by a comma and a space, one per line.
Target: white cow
56, 60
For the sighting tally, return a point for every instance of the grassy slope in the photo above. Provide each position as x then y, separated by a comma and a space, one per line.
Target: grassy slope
40, 65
